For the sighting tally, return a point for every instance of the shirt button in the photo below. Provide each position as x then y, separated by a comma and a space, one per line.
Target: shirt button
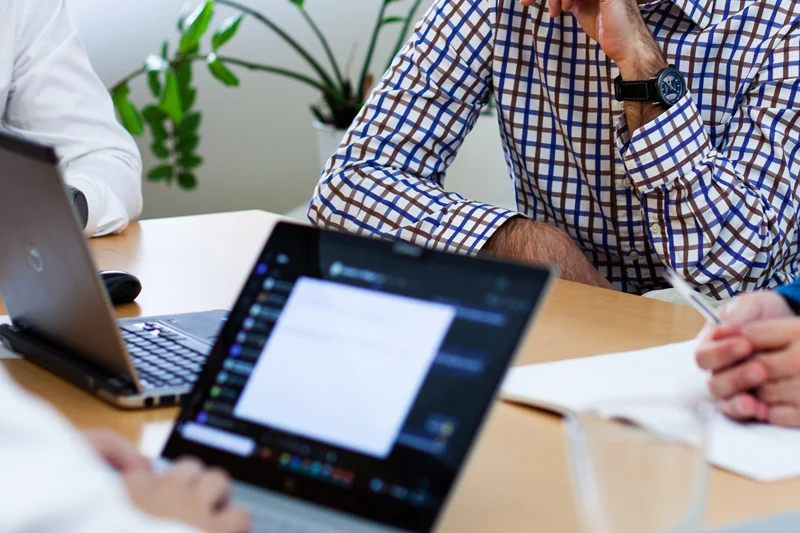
621, 106
627, 183
633, 256
655, 228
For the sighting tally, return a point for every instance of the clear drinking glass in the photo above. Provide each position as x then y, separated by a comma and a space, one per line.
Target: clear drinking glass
639, 466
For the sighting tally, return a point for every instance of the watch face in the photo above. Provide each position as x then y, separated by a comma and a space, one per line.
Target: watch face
671, 86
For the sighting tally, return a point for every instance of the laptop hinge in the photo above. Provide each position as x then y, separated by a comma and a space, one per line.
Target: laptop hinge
62, 363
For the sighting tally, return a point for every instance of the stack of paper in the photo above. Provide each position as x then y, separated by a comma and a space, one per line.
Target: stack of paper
757, 451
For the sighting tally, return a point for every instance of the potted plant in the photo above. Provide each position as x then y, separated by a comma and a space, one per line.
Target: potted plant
173, 120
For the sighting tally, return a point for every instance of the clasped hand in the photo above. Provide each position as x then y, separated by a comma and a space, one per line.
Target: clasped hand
754, 359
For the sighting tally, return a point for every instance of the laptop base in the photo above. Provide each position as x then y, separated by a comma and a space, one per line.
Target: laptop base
115, 389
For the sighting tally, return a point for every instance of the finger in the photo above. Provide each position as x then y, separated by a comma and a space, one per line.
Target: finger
785, 415
186, 470
234, 521
780, 392
783, 364
742, 378
566, 5
527, 3
116, 451
744, 407
717, 355
769, 335
214, 488
555, 8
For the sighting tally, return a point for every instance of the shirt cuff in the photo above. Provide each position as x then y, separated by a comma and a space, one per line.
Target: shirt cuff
664, 149
468, 226
106, 213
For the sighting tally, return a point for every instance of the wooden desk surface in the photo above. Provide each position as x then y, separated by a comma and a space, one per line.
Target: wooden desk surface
517, 480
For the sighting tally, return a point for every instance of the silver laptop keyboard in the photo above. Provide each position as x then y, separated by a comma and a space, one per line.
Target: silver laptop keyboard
264, 523
162, 357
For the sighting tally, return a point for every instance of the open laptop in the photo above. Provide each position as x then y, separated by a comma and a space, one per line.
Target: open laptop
352, 379
62, 318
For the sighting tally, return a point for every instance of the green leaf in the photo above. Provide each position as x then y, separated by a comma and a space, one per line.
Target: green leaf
155, 119
159, 150
165, 49
187, 144
196, 26
190, 125
170, 102
184, 72
154, 82
226, 31
188, 97
187, 181
130, 116
160, 173
298, 3
392, 20
186, 10
190, 161
221, 72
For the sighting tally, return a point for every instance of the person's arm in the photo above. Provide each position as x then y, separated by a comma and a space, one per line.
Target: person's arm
724, 216
50, 481
56, 98
386, 178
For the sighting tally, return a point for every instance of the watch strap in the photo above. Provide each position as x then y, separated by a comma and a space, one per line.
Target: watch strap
637, 91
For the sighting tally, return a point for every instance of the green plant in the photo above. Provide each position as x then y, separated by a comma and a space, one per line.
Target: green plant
172, 118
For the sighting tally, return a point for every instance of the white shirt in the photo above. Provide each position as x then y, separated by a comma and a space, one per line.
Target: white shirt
52, 482
49, 93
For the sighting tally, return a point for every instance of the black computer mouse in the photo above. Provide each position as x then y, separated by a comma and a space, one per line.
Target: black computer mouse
122, 287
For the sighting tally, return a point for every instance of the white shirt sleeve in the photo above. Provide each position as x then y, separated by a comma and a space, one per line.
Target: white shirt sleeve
56, 98
52, 482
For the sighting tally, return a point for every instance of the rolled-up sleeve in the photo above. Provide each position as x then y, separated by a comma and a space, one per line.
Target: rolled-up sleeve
724, 212
387, 177
56, 98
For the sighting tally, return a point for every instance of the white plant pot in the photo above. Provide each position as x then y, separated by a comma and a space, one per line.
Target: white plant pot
328, 140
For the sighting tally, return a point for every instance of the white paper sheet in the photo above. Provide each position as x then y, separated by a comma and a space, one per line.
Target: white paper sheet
757, 451
5, 354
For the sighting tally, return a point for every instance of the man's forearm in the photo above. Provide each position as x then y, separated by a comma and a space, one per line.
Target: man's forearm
646, 64
524, 240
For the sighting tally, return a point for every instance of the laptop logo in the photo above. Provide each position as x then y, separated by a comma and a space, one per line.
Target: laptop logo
34, 258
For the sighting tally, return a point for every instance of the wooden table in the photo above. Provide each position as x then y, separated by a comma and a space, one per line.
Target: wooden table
517, 480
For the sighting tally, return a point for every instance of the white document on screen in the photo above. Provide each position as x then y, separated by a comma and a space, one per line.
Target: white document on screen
343, 365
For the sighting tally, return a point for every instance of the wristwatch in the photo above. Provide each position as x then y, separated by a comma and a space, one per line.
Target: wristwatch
666, 88
79, 204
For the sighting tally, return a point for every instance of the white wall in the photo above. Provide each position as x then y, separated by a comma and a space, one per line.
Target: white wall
257, 140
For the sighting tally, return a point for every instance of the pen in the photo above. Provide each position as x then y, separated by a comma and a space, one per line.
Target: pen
691, 296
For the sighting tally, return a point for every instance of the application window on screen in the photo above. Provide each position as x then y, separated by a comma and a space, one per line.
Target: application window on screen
344, 364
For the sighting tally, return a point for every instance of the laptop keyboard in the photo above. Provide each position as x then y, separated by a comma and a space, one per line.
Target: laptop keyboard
264, 523
162, 357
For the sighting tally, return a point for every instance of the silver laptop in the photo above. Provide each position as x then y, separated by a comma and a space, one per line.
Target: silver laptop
62, 318
352, 379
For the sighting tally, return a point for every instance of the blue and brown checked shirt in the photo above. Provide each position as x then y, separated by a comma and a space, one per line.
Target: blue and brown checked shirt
709, 187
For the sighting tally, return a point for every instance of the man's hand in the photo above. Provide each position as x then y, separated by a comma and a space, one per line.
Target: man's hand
748, 381
120, 454
620, 30
524, 240
191, 494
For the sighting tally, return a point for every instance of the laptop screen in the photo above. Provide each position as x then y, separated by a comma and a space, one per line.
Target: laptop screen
355, 373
